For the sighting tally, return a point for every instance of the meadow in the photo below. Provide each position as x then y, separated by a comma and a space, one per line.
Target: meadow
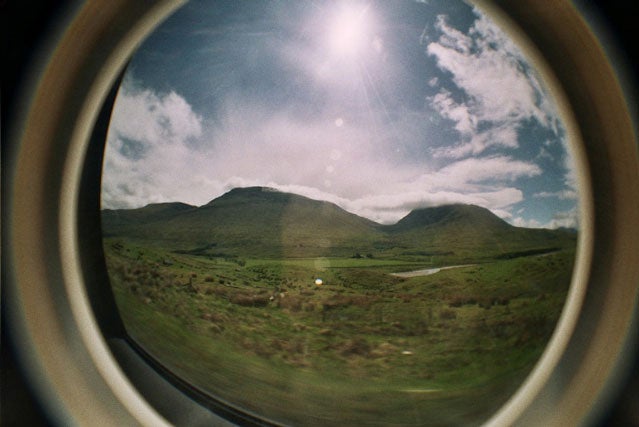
341, 340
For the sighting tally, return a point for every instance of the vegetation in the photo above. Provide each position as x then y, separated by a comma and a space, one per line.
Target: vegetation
360, 345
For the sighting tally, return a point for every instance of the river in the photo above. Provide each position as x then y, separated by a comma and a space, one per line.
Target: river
428, 271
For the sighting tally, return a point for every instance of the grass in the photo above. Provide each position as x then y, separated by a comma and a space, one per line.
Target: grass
365, 347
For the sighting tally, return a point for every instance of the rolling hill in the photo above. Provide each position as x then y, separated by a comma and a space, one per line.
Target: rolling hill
258, 221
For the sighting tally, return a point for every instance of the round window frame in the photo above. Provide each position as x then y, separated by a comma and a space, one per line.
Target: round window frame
49, 307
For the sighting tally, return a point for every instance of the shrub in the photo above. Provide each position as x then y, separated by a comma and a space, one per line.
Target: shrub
354, 346
309, 307
459, 300
447, 314
455, 301
221, 292
290, 302
250, 300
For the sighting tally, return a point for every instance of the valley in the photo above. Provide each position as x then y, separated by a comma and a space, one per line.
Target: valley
300, 311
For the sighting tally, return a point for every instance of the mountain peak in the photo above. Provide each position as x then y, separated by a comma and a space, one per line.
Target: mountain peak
253, 189
446, 214
242, 193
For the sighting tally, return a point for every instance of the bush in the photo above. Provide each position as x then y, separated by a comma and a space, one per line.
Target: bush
290, 302
246, 300
459, 300
447, 314
355, 347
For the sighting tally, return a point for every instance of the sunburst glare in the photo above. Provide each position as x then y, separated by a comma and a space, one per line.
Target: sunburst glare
349, 31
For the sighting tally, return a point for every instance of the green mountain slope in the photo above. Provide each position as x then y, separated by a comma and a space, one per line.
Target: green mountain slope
458, 214
255, 221
468, 229
122, 221
262, 222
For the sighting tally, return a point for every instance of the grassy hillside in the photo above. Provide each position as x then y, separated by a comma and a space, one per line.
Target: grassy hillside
365, 347
123, 221
470, 233
292, 308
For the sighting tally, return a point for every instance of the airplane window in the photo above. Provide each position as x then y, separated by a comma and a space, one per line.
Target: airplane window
340, 213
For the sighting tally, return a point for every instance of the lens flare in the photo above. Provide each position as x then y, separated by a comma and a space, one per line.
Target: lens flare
349, 31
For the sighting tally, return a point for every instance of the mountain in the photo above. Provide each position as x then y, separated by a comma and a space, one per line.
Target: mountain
117, 221
261, 220
468, 228
264, 222
457, 214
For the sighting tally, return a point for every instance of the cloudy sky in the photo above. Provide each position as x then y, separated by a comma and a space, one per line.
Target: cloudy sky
378, 106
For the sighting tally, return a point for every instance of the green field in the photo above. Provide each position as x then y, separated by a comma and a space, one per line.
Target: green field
364, 347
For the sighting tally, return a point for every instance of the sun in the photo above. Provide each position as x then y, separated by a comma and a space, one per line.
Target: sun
349, 30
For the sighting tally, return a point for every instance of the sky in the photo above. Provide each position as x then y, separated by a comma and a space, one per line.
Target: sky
381, 107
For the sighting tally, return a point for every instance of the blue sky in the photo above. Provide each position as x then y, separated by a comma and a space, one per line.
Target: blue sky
378, 106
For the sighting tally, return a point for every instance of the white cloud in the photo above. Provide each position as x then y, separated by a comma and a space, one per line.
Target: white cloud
452, 38
544, 153
184, 160
568, 194
161, 129
561, 219
477, 142
477, 170
528, 223
277, 146
499, 90
465, 121
566, 219
145, 116
333, 160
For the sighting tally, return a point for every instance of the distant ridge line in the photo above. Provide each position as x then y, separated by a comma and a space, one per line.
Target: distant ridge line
266, 189
262, 222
